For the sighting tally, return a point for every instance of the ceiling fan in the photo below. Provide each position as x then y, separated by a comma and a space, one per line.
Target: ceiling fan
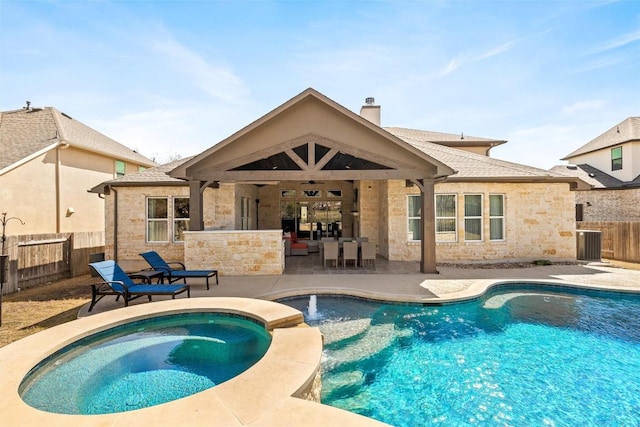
311, 182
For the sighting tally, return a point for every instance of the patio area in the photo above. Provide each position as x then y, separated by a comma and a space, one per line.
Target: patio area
399, 281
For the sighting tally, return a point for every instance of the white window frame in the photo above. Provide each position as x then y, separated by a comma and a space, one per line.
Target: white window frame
500, 217
440, 233
410, 237
156, 220
474, 218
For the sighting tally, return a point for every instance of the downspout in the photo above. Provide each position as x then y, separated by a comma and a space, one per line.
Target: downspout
115, 223
62, 146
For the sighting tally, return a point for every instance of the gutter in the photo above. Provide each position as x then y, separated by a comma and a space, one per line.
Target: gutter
115, 222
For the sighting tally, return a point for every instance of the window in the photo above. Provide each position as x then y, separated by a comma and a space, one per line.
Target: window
446, 218
141, 168
180, 218
616, 158
496, 217
157, 219
414, 204
288, 193
244, 213
311, 193
579, 211
472, 217
120, 168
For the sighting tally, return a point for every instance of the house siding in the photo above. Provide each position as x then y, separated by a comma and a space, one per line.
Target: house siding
610, 204
219, 213
539, 223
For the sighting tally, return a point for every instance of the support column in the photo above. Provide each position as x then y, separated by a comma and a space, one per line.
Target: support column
428, 223
196, 209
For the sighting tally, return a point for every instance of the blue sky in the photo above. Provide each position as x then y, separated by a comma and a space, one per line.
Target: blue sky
172, 78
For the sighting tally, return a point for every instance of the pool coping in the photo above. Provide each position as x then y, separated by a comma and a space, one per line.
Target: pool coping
268, 393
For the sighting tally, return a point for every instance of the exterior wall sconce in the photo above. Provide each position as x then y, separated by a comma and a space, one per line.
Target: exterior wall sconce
70, 211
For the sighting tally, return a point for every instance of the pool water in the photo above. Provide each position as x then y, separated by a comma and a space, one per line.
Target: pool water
520, 356
145, 363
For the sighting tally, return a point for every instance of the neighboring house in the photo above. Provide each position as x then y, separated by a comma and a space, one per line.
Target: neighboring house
610, 163
48, 162
321, 169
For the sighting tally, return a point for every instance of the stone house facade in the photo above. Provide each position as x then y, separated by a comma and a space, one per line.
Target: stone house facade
419, 195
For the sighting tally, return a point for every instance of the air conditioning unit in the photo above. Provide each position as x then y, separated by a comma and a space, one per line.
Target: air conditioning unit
589, 245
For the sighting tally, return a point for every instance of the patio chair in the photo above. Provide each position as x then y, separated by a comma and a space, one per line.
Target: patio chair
179, 272
330, 252
350, 253
368, 254
117, 282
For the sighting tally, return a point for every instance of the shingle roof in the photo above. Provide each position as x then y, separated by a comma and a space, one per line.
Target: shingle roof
476, 166
594, 177
625, 131
27, 131
448, 139
469, 166
155, 175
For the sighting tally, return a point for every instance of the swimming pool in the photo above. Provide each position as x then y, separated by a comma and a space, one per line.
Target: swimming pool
145, 363
519, 355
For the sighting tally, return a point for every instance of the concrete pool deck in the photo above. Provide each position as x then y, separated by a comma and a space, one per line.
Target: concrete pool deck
451, 284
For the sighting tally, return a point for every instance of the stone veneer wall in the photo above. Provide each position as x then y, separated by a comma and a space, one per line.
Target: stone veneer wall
610, 204
369, 208
539, 223
235, 253
218, 213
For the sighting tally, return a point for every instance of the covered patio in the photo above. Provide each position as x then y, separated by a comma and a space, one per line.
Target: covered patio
311, 149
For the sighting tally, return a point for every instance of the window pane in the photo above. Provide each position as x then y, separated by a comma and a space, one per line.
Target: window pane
616, 158
157, 231
181, 207
496, 205
495, 229
446, 205
473, 205
157, 208
415, 203
414, 230
445, 225
179, 227
120, 168
472, 229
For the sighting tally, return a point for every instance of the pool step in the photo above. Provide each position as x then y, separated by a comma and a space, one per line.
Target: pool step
342, 384
339, 334
358, 403
376, 339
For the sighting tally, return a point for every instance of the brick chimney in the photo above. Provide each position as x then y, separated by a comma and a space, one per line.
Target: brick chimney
370, 111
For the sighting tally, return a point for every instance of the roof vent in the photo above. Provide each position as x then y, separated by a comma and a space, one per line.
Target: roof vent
370, 100
572, 167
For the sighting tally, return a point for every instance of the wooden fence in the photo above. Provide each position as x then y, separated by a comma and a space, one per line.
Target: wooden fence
620, 239
34, 259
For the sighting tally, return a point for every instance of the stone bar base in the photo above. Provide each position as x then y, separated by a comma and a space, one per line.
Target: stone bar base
235, 252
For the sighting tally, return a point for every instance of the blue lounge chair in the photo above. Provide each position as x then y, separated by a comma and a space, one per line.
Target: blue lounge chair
180, 273
117, 282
